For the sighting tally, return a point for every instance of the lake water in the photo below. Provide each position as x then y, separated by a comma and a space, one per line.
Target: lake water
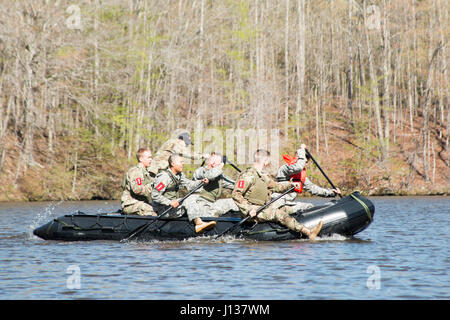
404, 254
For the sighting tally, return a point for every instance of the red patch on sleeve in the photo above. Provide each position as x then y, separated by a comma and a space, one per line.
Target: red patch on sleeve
160, 186
241, 183
139, 181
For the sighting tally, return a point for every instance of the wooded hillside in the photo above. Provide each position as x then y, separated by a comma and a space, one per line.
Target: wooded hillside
83, 84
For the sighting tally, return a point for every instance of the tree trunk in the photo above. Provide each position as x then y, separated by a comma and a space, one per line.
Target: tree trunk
374, 91
387, 71
317, 99
3, 130
443, 16
301, 51
286, 71
350, 64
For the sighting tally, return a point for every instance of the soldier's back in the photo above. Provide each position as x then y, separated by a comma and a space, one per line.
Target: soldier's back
161, 159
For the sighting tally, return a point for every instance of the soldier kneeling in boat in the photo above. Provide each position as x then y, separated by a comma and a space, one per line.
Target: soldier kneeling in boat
137, 186
166, 189
253, 190
207, 202
295, 168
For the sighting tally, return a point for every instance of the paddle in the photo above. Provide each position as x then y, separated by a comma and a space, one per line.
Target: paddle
257, 212
315, 162
136, 232
225, 160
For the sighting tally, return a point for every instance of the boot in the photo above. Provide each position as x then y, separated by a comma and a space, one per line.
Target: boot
201, 226
312, 233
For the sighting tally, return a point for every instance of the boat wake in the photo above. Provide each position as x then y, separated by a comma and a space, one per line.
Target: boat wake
339, 237
228, 239
189, 241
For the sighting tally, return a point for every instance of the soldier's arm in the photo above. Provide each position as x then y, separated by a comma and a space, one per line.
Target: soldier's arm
240, 188
148, 192
227, 182
199, 174
213, 174
286, 170
188, 183
137, 186
149, 188
192, 155
318, 191
210, 174
275, 186
185, 152
159, 187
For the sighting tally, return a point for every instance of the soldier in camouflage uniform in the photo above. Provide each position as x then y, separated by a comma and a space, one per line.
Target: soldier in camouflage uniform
296, 166
253, 189
207, 200
165, 193
137, 187
177, 145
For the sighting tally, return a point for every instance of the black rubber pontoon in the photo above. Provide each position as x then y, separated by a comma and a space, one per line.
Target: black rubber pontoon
346, 216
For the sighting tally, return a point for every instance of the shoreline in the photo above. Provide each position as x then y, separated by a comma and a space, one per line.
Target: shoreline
387, 195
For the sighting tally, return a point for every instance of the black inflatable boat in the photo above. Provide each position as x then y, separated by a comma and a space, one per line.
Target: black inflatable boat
346, 216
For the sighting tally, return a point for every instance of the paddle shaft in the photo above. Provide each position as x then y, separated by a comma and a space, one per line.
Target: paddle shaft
225, 160
238, 170
141, 229
257, 212
317, 165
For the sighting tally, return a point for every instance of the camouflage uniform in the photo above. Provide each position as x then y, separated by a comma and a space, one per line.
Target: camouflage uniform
285, 172
160, 160
206, 202
166, 188
137, 188
253, 190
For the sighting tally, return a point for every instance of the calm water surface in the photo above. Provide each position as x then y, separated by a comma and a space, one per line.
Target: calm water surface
404, 254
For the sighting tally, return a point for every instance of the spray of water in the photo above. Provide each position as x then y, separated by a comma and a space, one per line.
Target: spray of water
333, 237
42, 217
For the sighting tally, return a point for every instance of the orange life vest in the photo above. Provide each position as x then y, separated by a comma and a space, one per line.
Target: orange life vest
298, 177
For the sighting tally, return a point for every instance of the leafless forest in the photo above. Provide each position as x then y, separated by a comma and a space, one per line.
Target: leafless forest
83, 84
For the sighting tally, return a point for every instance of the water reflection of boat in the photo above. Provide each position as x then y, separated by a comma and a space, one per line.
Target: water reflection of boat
347, 216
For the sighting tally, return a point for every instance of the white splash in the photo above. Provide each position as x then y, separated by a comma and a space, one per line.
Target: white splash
332, 237
42, 217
